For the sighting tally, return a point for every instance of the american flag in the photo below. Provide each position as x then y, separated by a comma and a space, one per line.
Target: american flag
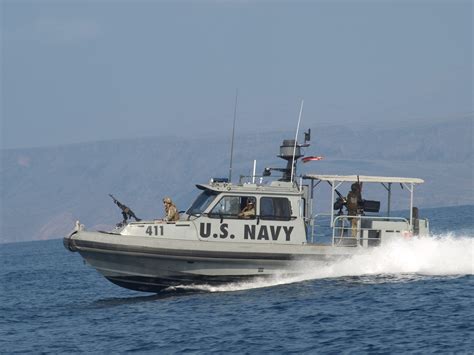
307, 159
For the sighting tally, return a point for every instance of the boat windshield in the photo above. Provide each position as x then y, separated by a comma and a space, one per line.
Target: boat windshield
202, 202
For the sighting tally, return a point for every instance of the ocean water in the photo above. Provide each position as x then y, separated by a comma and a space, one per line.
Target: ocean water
413, 296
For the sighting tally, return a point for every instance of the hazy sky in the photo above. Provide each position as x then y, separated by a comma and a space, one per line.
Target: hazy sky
75, 71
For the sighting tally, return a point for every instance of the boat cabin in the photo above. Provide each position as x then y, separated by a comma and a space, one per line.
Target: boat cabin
249, 212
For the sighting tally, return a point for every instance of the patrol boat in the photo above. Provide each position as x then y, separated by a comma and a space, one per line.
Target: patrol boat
214, 243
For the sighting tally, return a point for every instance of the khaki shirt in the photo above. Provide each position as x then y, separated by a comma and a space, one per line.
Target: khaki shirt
248, 212
171, 213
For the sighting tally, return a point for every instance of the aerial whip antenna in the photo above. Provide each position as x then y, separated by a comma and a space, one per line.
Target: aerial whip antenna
296, 140
233, 131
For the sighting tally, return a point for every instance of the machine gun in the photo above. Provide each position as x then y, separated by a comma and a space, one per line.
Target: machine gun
363, 205
126, 212
340, 202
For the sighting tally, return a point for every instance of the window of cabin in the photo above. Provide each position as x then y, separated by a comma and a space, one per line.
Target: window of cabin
234, 207
276, 208
202, 202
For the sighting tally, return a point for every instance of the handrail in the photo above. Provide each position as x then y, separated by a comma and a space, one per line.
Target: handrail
312, 224
384, 218
339, 225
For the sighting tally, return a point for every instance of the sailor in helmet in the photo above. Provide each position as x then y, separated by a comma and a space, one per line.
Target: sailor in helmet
171, 212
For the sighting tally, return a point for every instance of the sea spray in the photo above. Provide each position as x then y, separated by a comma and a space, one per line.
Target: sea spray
434, 255
397, 260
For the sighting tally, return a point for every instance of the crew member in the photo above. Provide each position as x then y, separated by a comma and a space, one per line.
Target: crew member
249, 210
171, 212
354, 199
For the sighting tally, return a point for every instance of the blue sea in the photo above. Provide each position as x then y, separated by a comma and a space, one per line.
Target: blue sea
412, 296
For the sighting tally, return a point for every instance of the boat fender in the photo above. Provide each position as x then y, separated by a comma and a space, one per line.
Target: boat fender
68, 242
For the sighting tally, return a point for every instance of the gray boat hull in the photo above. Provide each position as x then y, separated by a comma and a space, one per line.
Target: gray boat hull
151, 265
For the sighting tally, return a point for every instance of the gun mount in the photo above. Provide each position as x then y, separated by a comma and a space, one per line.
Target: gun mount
290, 150
126, 211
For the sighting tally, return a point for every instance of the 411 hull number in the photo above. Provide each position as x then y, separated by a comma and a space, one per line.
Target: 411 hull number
155, 230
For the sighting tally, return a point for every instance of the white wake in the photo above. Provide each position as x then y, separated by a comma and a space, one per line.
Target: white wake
402, 259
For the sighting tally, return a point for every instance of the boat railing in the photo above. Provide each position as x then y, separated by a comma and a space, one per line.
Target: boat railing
319, 229
252, 179
366, 231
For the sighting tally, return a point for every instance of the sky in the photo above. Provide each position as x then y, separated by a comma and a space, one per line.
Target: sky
79, 71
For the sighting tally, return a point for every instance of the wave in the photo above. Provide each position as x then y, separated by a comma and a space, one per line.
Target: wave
396, 261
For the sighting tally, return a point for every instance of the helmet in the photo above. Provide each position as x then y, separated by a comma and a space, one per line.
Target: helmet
355, 187
167, 200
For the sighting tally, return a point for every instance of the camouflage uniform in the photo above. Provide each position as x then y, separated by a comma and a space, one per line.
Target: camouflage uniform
171, 211
354, 197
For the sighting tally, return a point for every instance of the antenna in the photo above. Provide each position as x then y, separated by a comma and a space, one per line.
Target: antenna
254, 169
233, 131
296, 140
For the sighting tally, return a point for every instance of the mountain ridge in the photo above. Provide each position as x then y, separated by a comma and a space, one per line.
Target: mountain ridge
44, 190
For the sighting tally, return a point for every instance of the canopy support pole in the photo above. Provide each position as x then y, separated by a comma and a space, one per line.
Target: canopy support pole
411, 205
332, 203
313, 185
334, 186
389, 197
311, 221
389, 200
410, 188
